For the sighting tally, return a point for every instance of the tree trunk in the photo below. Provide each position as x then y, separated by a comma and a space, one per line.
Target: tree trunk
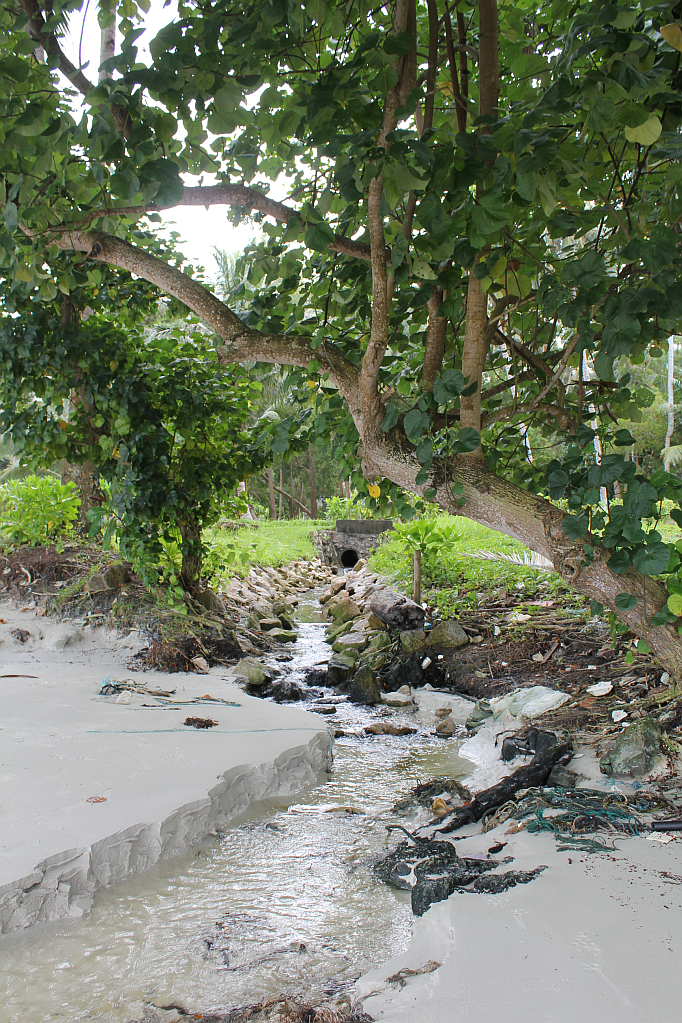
501, 505
417, 571
86, 479
671, 402
291, 490
190, 573
271, 492
313, 484
107, 50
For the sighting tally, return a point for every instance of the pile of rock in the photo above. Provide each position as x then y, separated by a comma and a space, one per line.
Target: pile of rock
378, 638
263, 602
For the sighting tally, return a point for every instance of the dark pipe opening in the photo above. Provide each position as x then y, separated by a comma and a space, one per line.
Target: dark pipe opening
349, 558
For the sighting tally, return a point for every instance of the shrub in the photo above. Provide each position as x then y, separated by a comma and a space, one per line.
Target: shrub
36, 510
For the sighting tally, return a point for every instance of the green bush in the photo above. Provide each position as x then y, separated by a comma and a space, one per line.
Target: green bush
36, 510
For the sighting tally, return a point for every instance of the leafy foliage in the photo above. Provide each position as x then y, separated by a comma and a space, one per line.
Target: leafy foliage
564, 203
36, 509
154, 414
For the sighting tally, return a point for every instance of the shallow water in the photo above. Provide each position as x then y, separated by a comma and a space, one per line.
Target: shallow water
284, 902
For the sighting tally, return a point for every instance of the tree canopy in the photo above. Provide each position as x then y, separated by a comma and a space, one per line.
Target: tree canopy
471, 224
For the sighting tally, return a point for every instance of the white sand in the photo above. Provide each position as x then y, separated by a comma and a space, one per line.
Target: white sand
596, 940
165, 786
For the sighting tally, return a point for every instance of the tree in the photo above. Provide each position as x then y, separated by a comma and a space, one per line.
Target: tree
156, 418
477, 197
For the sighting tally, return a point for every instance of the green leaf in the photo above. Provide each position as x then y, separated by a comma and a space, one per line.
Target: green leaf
399, 251
625, 601
468, 439
422, 269
596, 608
672, 34
318, 237
602, 114
575, 526
416, 423
674, 604
647, 133
399, 45
651, 559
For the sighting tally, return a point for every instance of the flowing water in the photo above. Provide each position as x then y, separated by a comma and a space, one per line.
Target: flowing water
285, 902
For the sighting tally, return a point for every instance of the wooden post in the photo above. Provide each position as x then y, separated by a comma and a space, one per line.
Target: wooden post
417, 577
271, 492
313, 485
291, 489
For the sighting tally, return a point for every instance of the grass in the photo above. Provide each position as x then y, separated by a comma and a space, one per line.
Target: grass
454, 579
233, 551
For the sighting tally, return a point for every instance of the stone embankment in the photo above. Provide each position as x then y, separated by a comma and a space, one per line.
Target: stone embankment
381, 645
262, 605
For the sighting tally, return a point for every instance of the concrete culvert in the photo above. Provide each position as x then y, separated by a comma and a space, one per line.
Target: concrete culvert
349, 558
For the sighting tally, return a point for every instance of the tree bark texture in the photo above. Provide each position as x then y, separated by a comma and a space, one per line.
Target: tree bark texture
86, 479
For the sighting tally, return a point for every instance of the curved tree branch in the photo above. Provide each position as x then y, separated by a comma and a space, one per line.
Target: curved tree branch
241, 342
219, 195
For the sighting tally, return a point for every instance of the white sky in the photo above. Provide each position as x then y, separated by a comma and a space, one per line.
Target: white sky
201, 230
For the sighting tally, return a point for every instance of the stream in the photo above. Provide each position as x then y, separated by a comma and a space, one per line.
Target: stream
285, 902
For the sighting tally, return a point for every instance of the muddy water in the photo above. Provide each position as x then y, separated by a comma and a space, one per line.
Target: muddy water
284, 902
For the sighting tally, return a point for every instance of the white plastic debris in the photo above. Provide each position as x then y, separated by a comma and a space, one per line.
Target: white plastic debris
537, 658
528, 703
497, 630
659, 837
665, 678
618, 715
426, 662
600, 688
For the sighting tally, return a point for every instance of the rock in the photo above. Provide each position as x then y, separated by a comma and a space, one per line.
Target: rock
375, 623
360, 564
323, 709
325, 596
401, 698
340, 669
337, 585
446, 728
287, 622
283, 635
210, 600
334, 631
344, 610
635, 749
253, 672
283, 691
380, 642
413, 639
364, 688
116, 575
261, 611
448, 635
266, 624
481, 712
406, 671
355, 640
564, 778
396, 610
386, 728
374, 659
97, 584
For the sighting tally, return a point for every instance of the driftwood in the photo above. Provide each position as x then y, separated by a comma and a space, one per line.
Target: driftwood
531, 775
